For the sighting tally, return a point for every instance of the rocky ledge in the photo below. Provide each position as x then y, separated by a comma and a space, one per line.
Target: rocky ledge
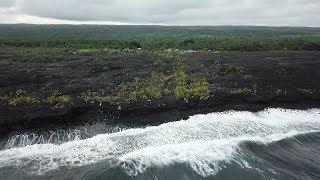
49, 90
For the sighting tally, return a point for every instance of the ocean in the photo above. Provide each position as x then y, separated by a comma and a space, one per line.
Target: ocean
271, 144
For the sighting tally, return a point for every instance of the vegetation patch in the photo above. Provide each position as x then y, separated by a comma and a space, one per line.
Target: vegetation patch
156, 42
12, 61
306, 91
19, 98
155, 86
92, 97
228, 69
58, 100
158, 63
242, 91
280, 92
190, 87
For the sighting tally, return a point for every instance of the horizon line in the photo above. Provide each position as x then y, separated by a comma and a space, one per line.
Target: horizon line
160, 25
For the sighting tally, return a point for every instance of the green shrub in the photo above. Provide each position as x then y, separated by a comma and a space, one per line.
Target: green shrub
92, 97
242, 91
199, 88
152, 87
58, 100
180, 77
228, 69
187, 87
158, 63
19, 98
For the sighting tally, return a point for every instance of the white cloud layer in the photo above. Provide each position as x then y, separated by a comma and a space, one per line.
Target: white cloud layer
167, 12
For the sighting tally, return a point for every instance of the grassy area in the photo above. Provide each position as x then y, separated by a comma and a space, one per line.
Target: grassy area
228, 69
58, 100
19, 98
23, 98
246, 91
189, 87
153, 87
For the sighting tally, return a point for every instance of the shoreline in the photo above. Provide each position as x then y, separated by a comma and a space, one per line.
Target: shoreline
265, 80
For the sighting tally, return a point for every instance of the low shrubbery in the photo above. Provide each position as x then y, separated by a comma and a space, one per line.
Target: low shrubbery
190, 87
244, 91
280, 92
58, 100
161, 43
19, 98
306, 91
228, 69
153, 87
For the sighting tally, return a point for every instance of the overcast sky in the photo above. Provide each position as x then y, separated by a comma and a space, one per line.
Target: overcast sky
165, 12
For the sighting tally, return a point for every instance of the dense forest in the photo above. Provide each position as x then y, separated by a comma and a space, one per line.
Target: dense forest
157, 38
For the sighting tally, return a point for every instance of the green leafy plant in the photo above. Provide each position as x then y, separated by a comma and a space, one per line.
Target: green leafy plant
228, 69
58, 100
19, 98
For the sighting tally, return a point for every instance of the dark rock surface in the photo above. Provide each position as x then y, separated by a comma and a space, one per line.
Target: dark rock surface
275, 79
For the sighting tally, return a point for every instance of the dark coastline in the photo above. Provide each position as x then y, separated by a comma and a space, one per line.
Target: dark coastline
281, 79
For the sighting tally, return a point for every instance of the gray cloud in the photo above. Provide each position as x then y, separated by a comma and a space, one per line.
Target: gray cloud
173, 12
7, 3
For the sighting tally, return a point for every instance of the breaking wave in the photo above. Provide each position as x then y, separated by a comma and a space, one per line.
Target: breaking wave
272, 144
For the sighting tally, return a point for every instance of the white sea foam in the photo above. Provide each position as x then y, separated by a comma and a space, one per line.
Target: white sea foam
204, 157
203, 141
59, 136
